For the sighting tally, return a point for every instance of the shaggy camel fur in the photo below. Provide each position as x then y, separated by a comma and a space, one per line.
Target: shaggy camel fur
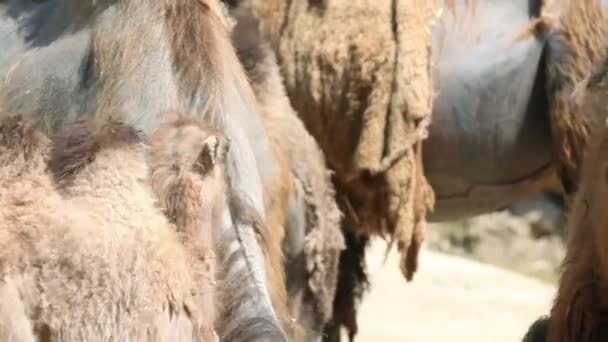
577, 86
354, 94
578, 47
578, 314
104, 241
305, 163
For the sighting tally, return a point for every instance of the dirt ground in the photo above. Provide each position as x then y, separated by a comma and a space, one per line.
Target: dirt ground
452, 299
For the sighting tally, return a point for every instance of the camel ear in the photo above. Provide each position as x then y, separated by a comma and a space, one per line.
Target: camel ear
213, 153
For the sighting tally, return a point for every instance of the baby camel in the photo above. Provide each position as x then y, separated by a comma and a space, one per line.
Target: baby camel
89, 255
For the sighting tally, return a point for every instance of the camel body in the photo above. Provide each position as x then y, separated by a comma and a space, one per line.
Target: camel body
133, 61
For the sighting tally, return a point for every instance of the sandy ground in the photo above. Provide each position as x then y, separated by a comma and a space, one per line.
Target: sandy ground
450, 300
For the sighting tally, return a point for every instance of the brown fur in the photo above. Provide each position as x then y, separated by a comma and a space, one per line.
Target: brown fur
579, 312
104, 241
577, 85
581, 35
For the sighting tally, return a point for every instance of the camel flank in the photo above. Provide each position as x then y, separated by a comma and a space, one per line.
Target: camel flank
132, 61
309, 212
72, 250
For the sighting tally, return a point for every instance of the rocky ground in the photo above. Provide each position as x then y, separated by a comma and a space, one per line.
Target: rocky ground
527, 238
481, 279
452, 299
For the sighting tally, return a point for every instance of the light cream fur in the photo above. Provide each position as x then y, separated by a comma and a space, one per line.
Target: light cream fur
96, 260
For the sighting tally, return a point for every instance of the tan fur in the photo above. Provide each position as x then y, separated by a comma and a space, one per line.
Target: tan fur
354, 93
580, 37
579, 312
186, 165
96, 261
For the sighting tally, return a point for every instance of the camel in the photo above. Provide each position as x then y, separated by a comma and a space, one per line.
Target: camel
186, 161
87, 253
510, 87
133, 61
186, 172
306, 203
577, 314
